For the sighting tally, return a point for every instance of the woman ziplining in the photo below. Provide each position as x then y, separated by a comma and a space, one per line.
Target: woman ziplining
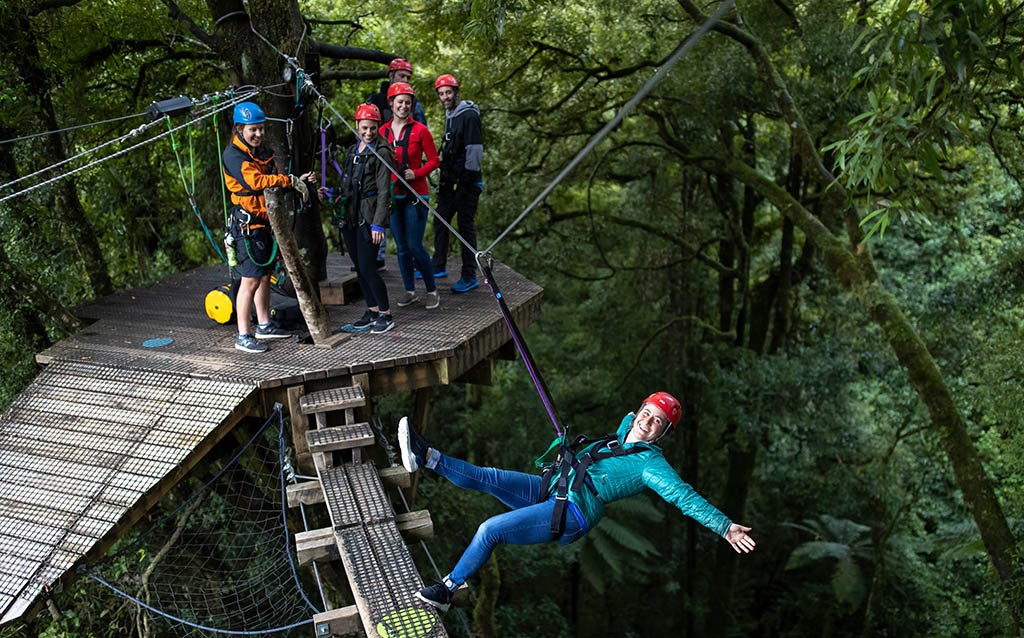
562, 507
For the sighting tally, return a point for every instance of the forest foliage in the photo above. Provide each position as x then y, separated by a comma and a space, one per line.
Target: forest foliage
743, 239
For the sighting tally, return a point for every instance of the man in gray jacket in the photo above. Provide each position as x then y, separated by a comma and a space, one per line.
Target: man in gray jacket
462, 152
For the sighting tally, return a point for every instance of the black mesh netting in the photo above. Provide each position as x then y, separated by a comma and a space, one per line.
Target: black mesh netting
221, 562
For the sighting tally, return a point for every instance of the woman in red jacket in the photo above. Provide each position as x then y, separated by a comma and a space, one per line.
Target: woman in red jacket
412, 141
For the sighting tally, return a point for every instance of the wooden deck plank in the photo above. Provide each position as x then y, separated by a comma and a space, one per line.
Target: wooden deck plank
76, 454
120, 479
98, 442
135, 391
171, 433
30, 549
343, 437
181, 410
62, 538
374, 505
69, 486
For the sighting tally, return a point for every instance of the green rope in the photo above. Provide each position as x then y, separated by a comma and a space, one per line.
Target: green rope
190, 192
223, 185
220, 160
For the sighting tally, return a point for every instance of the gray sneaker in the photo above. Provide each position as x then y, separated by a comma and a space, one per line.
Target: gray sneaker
247, 343
408, 297
383, 324
271, 332
433, 300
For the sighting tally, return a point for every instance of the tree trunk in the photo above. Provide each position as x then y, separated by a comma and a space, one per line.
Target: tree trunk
305, 289
857, 274
854, 268
66, 205
487, 600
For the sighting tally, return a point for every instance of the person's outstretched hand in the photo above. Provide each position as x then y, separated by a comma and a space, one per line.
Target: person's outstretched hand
739, 538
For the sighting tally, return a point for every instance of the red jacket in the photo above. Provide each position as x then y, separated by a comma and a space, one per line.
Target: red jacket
421, 143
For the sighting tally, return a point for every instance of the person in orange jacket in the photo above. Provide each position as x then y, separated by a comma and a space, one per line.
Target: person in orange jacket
249, 169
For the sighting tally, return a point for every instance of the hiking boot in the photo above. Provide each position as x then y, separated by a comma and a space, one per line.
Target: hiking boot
248, 343
413, 446
409, 297
383, 324
363, 324
464, 285
437, 595
433, 300
270, 331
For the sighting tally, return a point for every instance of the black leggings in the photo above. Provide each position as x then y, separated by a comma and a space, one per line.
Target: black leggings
364, 256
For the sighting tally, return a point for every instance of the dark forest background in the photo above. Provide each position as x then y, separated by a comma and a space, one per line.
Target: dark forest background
810, 231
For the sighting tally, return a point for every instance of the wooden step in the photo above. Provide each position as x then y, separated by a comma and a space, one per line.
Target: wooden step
355, 495
343, 437
384, 580
344, 398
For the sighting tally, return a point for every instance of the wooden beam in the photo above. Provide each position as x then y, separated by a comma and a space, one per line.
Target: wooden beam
420, 421
299, 425
396, 476
507, 351
316, 544
305, 493
415, 526
337, 622
479, 374
410, 377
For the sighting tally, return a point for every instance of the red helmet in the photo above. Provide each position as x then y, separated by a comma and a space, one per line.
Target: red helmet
400, 88
368, 112
445, 80
400, 64
668, 404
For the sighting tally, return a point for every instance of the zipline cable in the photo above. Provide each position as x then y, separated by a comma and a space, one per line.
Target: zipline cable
484, 258
250, 90
71, 128
113, 155
682, 50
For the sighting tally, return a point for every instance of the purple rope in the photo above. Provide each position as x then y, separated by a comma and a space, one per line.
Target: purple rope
323, 157
529, 367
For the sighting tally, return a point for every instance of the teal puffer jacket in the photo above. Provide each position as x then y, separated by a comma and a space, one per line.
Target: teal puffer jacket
623, 476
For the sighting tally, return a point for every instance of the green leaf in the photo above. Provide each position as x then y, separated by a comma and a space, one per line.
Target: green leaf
626, 537
848, 583
608, 551
813, 551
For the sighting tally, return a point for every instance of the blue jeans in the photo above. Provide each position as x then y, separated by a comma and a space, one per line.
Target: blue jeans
408, 223
528, 522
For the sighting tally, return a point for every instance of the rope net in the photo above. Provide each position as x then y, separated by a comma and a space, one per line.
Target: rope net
221, 563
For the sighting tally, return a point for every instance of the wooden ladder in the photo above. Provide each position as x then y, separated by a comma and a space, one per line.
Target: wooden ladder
365, 534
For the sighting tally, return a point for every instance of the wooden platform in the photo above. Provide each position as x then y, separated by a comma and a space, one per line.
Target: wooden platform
446, 341
110, 425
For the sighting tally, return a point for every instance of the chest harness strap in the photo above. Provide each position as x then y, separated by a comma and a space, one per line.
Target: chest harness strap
579, 456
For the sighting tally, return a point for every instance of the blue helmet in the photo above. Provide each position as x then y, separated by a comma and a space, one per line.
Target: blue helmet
248, 113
